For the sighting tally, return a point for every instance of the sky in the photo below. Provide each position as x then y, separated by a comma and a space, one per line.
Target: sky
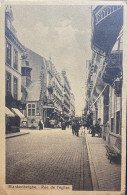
62, 33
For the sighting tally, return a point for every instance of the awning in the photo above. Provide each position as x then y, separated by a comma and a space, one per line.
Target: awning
9, 113
18, 113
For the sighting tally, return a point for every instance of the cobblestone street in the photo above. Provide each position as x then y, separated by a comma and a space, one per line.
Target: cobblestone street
49, 156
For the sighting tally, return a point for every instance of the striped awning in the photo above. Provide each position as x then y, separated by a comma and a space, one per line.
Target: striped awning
8, 112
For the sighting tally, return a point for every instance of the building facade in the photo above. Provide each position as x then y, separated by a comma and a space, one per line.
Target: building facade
33, 87
104, 91
58, 95
66, 95
72, 105
14, 50
53, 99
46, 93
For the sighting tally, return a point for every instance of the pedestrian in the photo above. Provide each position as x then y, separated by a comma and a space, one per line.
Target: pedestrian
73, 128
83, 129
93, 130
68, 123
77, 127
98, 127
63, 125
40, 125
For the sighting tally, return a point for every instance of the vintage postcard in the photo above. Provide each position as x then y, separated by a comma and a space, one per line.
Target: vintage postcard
63, 97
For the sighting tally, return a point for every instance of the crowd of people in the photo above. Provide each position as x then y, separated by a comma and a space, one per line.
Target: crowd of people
93, 129
75, 128
77, 125
96, 129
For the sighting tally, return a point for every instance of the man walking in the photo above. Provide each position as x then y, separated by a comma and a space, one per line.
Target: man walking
77, 127
73, 127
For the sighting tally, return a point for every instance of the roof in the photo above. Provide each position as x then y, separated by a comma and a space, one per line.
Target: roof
34, 91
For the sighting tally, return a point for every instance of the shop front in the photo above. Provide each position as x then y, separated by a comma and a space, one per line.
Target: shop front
13, 120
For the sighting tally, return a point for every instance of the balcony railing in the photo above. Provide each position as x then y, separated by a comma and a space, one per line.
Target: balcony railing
104, 12
107, 22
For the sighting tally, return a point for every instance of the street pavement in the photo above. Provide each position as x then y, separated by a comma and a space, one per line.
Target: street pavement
49, 156
106, 176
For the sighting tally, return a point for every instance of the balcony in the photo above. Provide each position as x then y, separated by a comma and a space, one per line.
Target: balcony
90, 85
107, 23
113, 67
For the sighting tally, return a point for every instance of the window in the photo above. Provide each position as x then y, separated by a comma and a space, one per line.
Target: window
8, 83
15, 88
31, 109
8, 53
118, 123
23, 71
27, 63
15, 59
26, 71
112, 124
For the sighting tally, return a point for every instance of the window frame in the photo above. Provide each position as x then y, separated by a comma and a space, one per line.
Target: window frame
112, 124
118, 122
31, 109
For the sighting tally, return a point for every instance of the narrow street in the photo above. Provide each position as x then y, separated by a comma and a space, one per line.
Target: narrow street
51, 156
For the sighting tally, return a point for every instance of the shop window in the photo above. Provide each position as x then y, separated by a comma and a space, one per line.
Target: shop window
8, 83
15, 88
118, 123
31, 109
8, 53
15, 59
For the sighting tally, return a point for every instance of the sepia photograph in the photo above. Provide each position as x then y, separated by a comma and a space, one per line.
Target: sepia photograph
64, 97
